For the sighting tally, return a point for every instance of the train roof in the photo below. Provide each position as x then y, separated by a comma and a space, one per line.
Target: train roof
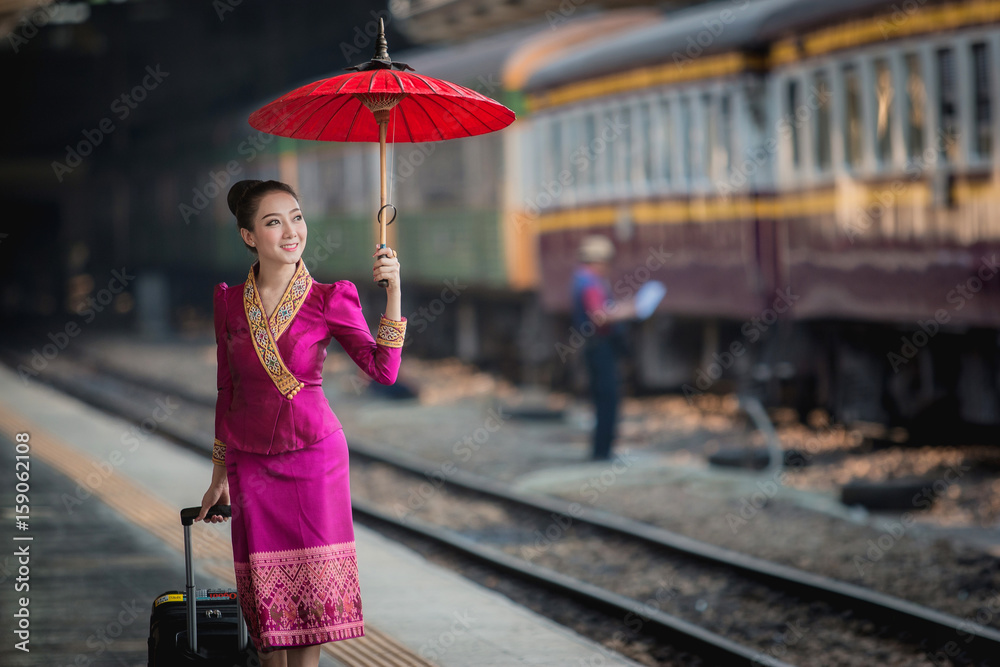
755, 25
512, 55
466, 63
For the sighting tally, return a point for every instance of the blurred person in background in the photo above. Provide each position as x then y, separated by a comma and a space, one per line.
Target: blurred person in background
599, 318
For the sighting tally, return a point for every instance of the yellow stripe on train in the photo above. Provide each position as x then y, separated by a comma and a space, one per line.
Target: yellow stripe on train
791, 205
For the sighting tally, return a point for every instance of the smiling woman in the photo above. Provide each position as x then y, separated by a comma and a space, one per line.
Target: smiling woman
280, 451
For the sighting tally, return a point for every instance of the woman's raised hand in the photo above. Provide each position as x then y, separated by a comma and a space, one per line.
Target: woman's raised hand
386, 267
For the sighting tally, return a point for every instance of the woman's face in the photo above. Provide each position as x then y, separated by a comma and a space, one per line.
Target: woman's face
279, 229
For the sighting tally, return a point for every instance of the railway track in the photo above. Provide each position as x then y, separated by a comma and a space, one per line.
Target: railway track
757, 585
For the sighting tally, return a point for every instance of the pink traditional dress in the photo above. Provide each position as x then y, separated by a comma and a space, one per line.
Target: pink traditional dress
286, 456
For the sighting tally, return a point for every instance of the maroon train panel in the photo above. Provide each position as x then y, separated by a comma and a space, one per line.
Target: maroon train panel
710, 268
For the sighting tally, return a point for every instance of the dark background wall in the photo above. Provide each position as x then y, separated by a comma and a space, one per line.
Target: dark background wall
143, 89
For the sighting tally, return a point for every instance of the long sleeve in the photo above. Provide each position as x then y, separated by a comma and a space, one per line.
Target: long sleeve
594, 306
225, 379
379, 358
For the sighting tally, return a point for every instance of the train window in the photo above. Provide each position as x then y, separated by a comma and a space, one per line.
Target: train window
792, 103
711, 135
822, 140
852, 116
623, 148
642, 163
686, 131
702, 127
666, 138
555, 145
543, 154
884, 95
587, 160
720, 147
529, 172
916, 101
948, 102
574, 149
603, 153
982, 140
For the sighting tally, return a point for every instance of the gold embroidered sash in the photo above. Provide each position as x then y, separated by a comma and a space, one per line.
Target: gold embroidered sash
265, 334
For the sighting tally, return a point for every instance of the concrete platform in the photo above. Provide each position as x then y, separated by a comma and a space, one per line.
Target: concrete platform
91, 471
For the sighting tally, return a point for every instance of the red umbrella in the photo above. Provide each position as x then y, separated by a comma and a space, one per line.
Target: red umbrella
381, 101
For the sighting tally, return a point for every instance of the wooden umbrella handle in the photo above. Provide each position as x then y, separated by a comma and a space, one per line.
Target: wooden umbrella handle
384, 224
383, 126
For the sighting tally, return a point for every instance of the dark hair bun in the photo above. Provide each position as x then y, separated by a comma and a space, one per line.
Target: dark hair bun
239, 191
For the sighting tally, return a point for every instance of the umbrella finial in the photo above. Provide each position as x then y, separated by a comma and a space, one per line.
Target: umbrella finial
381, 59
381, 46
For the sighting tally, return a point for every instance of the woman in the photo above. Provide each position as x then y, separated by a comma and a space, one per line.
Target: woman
280, 454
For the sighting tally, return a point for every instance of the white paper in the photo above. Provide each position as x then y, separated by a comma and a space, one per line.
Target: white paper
648, 298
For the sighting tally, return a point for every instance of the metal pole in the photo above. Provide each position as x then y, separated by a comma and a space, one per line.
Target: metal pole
383, 127
755, 409
192, 604
243, 626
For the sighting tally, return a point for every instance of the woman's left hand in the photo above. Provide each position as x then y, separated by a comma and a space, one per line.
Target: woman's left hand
386, 267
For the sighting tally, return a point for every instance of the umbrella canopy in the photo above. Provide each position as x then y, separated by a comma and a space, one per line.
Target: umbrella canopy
380, 101
337, 109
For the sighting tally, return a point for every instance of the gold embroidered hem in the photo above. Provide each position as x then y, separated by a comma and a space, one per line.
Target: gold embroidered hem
390, 332
300, 597
219, 453
265, 334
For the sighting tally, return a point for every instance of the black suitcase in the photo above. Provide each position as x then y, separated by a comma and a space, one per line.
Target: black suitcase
198, 627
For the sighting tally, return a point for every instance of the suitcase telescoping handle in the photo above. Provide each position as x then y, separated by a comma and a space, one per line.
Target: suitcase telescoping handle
188, 515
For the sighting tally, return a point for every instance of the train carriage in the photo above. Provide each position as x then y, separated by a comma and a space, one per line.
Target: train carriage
835, 162
817, 185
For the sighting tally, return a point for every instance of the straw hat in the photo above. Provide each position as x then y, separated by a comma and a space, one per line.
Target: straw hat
596, 248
